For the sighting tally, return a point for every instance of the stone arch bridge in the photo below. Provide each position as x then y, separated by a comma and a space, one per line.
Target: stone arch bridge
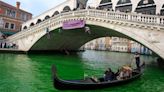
145, 29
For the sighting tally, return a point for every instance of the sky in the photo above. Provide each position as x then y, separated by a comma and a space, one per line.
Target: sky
36, 7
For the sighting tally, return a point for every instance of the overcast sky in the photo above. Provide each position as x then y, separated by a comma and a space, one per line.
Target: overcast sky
36, 7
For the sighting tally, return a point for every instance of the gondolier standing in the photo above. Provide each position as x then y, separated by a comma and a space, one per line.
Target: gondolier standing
137, 59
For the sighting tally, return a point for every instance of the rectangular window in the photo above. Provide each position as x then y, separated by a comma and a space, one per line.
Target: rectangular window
12, 26
24, 16
6, 25
11, 13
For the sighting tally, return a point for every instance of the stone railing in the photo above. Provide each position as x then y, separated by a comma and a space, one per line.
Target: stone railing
149, 20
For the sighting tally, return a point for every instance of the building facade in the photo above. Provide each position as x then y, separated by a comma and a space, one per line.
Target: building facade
116, 44
12, 17
119, 44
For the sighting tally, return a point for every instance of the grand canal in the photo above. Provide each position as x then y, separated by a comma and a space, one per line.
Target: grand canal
32, 73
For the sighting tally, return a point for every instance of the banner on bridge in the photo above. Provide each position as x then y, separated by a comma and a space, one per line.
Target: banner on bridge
73, 24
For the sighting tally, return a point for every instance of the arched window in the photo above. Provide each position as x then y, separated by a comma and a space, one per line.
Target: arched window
55, 13
47, 17
38, 21
32, 24
66, 9
25, 27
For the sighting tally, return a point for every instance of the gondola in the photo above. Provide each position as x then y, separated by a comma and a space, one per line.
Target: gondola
88, 83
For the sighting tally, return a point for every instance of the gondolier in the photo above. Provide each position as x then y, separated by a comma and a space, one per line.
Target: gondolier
137, 59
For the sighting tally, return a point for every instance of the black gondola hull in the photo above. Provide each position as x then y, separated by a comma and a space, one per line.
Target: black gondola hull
65, 85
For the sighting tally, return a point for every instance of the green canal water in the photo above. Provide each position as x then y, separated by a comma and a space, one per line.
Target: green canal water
32, 73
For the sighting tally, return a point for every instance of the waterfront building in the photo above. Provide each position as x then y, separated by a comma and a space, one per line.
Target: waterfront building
119, 44
116, 44
108, 43
12, 17
135, 47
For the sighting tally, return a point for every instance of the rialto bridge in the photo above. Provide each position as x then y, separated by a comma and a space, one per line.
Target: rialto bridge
46, 33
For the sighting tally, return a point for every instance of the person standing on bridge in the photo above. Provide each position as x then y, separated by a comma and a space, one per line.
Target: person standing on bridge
137, 59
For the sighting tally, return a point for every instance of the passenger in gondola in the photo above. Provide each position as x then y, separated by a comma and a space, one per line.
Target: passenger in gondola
108, 75
124, 73
127, 72
120, 74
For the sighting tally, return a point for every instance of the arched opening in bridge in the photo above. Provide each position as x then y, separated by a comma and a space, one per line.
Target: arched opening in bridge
72, 40
105, 5
38, 21
25, 27
146, 7
81, 4
124, 6
55, 13
66, 9
162, 10
32, 24
116, 44
47, 17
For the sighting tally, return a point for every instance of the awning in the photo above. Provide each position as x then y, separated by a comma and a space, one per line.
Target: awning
7, 33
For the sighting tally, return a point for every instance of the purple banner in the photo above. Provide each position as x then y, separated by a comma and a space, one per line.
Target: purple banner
73, 24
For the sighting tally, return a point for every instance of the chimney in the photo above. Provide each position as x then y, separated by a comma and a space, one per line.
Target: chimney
17, 5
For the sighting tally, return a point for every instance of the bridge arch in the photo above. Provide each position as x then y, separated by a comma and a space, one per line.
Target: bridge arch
97, 30
133, 29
